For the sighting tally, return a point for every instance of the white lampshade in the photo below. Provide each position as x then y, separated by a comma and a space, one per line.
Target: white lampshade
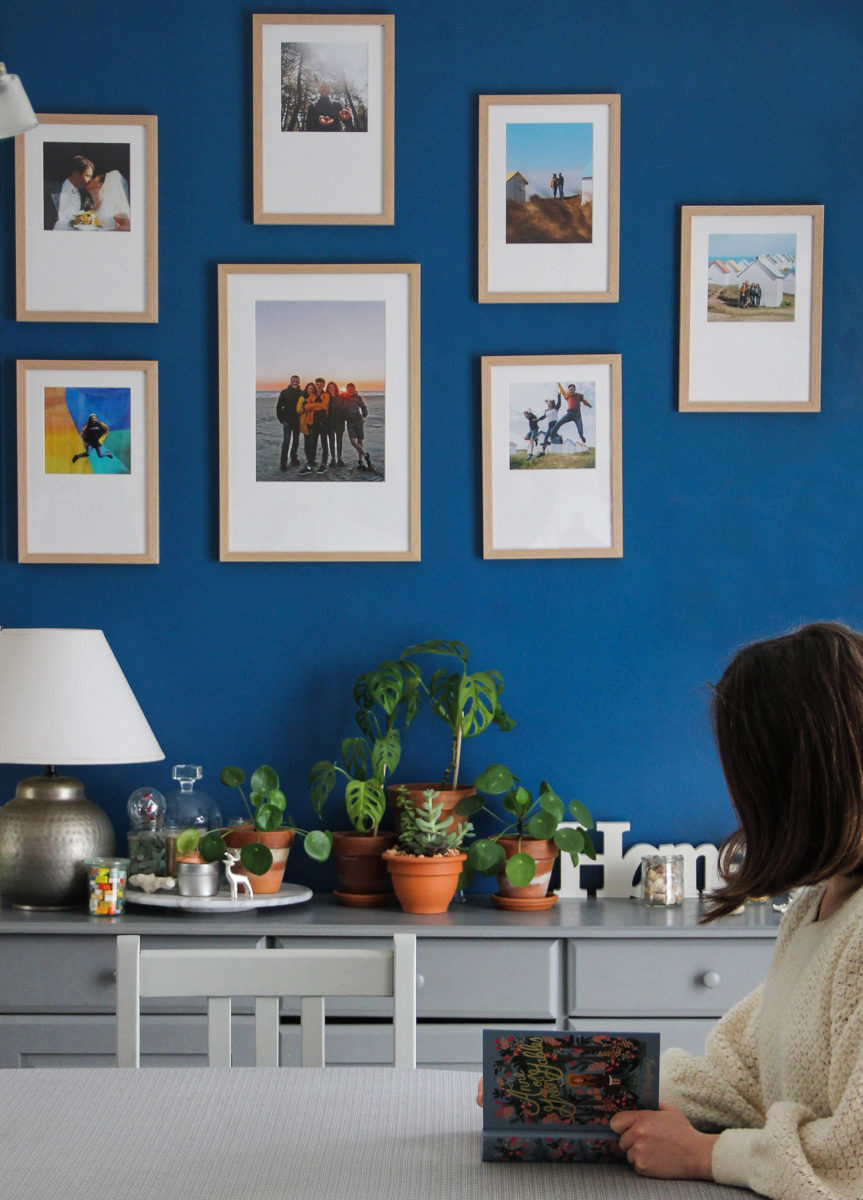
16, 112
65, 701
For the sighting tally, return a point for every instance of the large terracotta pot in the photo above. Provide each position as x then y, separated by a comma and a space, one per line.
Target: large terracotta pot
364, 881
448, 797
424, 885
544, 852
279, 842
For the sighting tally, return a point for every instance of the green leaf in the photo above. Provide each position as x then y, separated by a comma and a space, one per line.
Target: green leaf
589, 848
366, 723
187, 841
550, 802
542, 825
232, 776
318, 844
517, 801
264, 779
442, 648
211, 845
494, 780
277, 798
256, 858
322, 780
503, 721
363, 691
444, 696
581, 814
387, 686
355, 756
571, 841
520, 869
386, 753
486, 856
477, 702
465, 878
268, 817
366, 804
469, 805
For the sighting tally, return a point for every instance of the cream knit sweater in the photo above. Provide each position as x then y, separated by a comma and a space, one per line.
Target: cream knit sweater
782, 1072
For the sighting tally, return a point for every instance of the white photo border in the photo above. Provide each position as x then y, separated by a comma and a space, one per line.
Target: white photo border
765, 366
88, 518
121, 270
552, 273
286, 175
546, 513
339, 521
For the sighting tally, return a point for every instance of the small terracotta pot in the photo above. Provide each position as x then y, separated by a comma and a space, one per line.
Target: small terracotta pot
362, 874
544, 852
279, 842
448, 797
424, 885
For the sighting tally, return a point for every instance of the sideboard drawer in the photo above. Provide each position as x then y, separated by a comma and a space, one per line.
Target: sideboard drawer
56, 974
472, 978
681, 977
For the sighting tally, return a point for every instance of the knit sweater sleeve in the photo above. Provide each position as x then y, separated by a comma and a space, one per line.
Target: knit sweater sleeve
797, 1155
721, 1089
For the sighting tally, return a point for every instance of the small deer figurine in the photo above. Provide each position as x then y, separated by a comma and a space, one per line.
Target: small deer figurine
235, 879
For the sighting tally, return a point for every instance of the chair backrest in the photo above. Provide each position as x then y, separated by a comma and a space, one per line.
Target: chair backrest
267, 975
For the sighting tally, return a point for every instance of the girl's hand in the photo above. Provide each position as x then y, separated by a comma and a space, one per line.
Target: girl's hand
479, 1092
664, 1144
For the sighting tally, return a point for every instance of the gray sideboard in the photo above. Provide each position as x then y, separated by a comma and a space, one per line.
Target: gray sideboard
590, 964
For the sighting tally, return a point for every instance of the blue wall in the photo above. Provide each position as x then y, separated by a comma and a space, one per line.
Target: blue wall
735, 526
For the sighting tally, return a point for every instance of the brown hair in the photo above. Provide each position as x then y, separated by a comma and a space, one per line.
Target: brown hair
788, 720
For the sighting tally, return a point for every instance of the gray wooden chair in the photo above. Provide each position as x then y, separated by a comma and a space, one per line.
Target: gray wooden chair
267, 975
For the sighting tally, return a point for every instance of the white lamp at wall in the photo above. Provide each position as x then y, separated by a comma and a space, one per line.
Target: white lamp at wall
16, 112
63, 699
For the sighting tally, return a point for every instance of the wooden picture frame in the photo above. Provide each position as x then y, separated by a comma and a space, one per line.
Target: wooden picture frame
552, 458
750, 308
87, 251
355, 326
549, 199
294, 58
88, 461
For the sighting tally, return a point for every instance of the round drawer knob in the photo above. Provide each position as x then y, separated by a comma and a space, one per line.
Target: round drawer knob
711, 979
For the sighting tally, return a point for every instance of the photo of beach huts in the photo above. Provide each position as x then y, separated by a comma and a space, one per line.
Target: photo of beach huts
549, 182
552, 426
751, 277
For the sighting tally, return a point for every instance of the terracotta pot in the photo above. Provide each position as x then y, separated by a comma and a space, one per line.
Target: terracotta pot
544, 852
424, 885
448, 797
362, 874
279, 842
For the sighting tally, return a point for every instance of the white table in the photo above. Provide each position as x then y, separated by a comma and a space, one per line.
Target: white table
339, 1133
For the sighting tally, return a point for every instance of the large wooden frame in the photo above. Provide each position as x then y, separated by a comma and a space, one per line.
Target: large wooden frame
88, 268
80, 502
565, 500
750, 308
535, 246
353, 323
288, 164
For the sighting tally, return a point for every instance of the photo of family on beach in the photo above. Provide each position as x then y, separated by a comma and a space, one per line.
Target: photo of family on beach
320, 390
325, 87
86, 186
751, 277
87, 430
552, 426
549, 182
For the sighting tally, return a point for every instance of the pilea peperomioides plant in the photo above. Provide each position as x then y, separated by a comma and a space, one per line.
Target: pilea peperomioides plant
541, 819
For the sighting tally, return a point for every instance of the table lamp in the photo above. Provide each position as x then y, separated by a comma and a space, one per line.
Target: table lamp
16, 112
63, 700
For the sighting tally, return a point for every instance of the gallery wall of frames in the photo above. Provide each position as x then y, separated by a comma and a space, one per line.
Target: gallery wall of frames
328, 332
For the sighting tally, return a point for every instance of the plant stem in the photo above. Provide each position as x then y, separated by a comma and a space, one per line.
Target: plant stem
456, 757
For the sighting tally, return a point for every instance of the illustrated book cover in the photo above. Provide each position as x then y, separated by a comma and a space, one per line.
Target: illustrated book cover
549, 1096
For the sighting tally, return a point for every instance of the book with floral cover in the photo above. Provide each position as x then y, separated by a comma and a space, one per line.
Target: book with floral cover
548, 1096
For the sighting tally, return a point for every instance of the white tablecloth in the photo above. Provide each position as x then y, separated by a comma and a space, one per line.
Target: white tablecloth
275, 1134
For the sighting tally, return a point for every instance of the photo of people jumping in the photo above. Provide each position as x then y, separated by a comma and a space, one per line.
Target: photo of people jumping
320, 391
552, 426
88, 430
